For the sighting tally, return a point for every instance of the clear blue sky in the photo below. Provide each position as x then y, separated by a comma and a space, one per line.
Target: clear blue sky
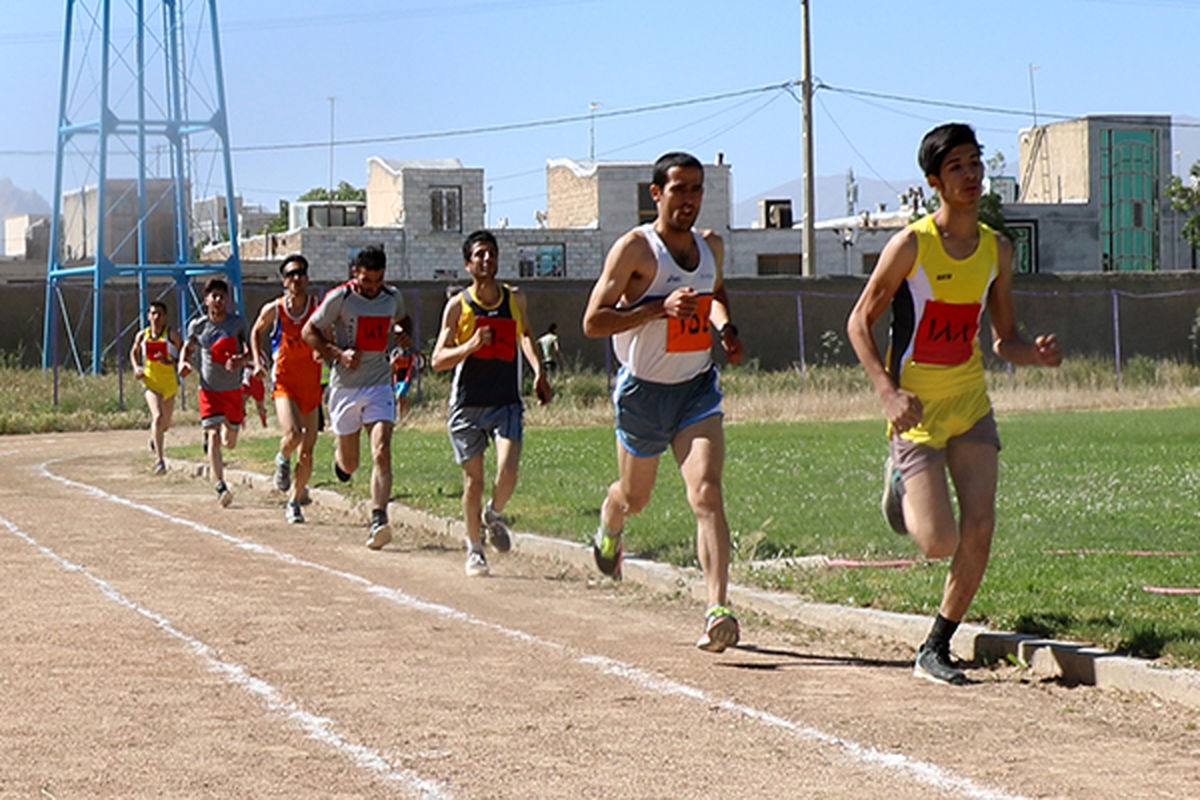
399, 67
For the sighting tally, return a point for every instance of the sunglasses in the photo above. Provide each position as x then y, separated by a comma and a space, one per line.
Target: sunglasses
293, 273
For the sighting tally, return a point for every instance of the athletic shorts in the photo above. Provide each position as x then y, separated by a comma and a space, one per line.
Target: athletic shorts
306, 398
221, 408
946, 417
165, 386
470, 427
352, 408
649, 414
911, 458
254, 387
401, 388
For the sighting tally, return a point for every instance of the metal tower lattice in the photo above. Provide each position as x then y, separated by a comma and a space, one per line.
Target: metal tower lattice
142, 129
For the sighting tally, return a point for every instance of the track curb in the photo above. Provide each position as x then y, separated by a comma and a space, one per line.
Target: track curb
1070, 662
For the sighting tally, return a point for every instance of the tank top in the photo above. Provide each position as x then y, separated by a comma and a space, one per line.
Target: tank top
294, 364
158, 360
934, 350
670, 350
488, 377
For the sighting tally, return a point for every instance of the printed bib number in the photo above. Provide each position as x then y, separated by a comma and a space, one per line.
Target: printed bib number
504, 338
692, 334
947, 333
371, 334
157, 351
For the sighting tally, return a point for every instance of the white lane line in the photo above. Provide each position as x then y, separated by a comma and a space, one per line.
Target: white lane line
920, 771
314, 726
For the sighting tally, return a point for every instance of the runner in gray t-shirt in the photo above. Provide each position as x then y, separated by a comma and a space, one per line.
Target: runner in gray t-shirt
354, 328
220, 338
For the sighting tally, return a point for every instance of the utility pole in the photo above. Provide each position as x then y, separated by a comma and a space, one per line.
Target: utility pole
592, 132
331, 104
1032, 95
809, 249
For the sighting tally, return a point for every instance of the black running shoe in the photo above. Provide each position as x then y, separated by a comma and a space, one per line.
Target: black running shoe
344, 477
608, 552
934, 664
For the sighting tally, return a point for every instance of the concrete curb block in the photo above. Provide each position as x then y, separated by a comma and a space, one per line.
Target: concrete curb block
1046, 658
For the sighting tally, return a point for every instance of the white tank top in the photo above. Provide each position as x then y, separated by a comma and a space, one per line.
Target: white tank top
671, 350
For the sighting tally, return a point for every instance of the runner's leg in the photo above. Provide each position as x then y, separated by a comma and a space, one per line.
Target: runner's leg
700, 450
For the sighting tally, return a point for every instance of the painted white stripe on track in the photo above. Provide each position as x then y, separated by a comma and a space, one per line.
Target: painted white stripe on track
316, 727
919, 771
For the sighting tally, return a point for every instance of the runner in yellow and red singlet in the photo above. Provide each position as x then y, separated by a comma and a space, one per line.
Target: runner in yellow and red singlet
938, 275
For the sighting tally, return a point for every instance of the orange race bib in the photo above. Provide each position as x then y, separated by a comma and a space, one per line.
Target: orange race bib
371, 334
157, 351
947, 333
691, 334
504, 338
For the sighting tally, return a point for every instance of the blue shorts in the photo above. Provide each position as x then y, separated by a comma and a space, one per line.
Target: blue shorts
470, 427
649, 414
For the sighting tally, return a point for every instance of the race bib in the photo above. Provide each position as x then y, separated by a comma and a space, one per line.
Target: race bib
157, 351
225, 348
504, 338
947, 333
692, 334
371, 333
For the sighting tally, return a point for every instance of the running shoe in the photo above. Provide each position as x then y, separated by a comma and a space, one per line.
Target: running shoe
497, 528
607, 549
293, 514
381, 533
224, 496
477, 566
160, 468
892, 502
934, 664
344, 477
720, 630
283, 473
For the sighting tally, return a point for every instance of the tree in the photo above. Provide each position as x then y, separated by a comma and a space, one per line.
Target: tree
344, 191
1186, 199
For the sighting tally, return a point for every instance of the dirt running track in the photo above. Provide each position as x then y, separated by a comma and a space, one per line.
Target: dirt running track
156, 645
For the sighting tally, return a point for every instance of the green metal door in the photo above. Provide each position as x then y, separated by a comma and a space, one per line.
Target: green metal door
1129, 214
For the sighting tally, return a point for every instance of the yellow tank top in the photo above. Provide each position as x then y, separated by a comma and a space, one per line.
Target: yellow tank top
158, 360
934, 350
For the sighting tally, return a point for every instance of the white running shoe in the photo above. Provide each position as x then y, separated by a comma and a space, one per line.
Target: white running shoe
477, 566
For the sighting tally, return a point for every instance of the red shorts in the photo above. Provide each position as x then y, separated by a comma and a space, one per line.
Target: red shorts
253, 387
218, 407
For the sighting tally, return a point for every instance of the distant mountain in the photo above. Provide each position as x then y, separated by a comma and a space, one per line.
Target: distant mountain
830, 196
14, 201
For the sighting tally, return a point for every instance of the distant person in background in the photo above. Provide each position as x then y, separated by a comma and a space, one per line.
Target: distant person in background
938, 275
485, 328
549, 348
355, 327
154, 354
407, 363
220, 337
295, 377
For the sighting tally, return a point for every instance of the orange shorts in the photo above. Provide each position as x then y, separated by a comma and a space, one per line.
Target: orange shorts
306, 396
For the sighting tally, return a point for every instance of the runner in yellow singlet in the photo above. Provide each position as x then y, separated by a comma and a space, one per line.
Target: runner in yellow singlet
153, 356
938, 275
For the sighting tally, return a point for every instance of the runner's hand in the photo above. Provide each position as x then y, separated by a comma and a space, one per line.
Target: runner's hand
681, 303
1047, 351
903, 409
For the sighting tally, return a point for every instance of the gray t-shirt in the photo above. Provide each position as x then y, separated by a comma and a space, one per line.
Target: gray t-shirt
216, 342
351, 320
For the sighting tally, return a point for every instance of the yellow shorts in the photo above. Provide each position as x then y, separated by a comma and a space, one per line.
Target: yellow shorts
162, 382
947, 417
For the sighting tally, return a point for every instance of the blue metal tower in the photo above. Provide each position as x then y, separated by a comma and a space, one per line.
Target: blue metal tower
142, 129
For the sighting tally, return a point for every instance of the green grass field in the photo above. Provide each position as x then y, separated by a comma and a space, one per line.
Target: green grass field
1098, 484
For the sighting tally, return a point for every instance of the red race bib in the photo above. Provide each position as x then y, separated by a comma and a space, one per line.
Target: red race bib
157, 351
947, 333
692, 334
504, 338
371, 333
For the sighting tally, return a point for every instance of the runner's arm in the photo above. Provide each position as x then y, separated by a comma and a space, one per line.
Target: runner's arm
266, 318
446, 354
135, 352
902, 408
1008, 343
541, 386
602, 317
719, 316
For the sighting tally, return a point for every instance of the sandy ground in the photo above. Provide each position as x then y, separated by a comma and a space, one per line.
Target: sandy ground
156, 645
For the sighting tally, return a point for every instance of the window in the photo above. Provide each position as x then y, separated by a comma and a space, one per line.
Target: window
542, 260
335, 216
647, 210
445, 206
779, 264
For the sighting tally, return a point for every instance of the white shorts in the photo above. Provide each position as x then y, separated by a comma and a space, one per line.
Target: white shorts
351, 409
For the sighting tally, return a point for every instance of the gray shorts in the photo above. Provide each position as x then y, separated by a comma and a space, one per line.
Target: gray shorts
470, 427
649, 414
912, 458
